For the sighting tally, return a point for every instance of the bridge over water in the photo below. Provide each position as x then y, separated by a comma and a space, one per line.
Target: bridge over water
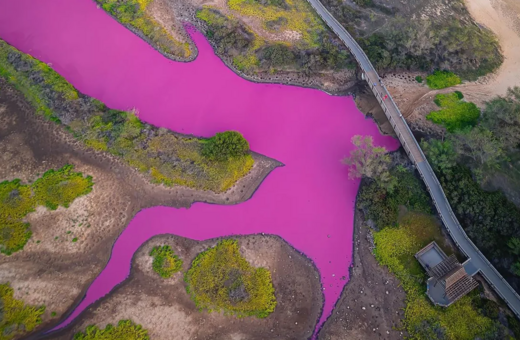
412, 148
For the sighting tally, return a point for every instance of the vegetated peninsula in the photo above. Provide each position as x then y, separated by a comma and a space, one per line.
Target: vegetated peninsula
285, 41
166, 157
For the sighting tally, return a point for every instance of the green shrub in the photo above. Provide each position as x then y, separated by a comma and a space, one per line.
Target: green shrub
133, 13
61, 187
442, 79
13, 236
165, 262
221, 279
16, 200
419, 79
382, 207
459, 94
489, 219
55, 187
454, 114
16, 318
225, 145
395, 248
168, 158
125, 329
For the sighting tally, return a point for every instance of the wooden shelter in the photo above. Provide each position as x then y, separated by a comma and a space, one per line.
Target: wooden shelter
448, 280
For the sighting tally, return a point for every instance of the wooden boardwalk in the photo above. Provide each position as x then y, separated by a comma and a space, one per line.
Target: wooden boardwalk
476, 259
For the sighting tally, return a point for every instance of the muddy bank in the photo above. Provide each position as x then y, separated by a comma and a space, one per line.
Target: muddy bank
163, 307
52, 270
371, 305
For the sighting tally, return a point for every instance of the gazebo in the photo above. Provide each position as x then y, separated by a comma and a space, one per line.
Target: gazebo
449, 280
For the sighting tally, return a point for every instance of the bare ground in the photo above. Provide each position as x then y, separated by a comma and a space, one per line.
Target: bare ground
371, 305
163, 307
55, 271
502, 17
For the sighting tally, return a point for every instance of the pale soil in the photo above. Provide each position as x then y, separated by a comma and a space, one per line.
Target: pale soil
163, 307
371, 305
500, 16
503, 18
55, 272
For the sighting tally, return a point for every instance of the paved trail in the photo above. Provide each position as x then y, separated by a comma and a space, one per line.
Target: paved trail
415, 153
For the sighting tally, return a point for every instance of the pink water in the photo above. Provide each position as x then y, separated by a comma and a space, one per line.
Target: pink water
309, 202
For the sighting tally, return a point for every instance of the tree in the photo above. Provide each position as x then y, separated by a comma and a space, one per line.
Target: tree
370, 161
440, 154
502, 116
225, 145
480, 145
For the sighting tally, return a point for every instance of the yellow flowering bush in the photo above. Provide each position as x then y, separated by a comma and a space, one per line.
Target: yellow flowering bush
54, 188
395, 248
298, 15
220, 279
16, 318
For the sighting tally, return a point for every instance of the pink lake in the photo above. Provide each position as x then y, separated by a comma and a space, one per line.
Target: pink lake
309, 202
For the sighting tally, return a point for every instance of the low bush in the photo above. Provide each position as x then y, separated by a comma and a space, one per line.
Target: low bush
165, 262
225, 145
133, 13
168, 158
442, 79
54, 188
454, 114
395, 248
60, 187
125, 329
250, 54
419, 79
382, 207
16, 318
220, 279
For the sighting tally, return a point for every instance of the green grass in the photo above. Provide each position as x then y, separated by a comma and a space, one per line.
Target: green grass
454, 114
125, 329
442, 79
395, 248
220, 279
54, 188
168, 159
165, 262
16, 318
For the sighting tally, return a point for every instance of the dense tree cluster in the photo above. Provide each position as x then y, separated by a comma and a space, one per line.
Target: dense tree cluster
225, 145
462, 162
427, 44
232, 38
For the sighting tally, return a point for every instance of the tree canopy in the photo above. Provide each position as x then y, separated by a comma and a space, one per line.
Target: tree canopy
367, 160
225, 145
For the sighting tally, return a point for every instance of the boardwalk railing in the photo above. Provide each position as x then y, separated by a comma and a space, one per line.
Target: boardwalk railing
414, 151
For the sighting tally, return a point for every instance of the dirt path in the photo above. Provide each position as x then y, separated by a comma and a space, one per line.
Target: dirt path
503, 18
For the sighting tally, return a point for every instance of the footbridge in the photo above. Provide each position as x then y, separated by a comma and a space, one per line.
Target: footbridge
412, 148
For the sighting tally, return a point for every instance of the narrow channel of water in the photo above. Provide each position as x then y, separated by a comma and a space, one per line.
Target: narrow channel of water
309, 202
